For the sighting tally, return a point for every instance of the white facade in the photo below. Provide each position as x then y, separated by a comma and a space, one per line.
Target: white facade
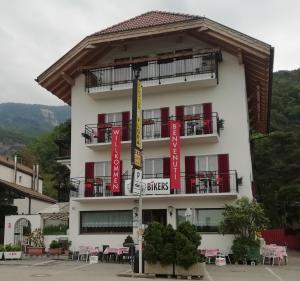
228, 98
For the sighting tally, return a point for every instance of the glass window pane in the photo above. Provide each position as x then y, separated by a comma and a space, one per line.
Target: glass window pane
212, 163
106, 221
208, 220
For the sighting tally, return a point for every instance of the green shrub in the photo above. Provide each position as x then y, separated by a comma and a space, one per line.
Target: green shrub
186, 252
1, 248
243, 249
153, 237
12, 248
168, 251
54, 244
55, 229
128, 241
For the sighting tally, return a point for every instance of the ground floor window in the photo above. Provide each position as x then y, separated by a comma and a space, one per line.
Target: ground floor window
106, 221
206, 220
158, 215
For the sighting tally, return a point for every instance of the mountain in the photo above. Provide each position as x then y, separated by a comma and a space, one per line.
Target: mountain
276, 157
21, 123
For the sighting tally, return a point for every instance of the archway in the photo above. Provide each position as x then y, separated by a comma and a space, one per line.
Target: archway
22, 228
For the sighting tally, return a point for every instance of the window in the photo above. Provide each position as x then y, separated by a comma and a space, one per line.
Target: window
193, 126
158, 215
106, 222
206, 220
114, 119
102, 172
152, 126
206, 163
153, 168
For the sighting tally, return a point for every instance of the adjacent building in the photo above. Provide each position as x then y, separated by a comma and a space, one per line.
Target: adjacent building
213, 80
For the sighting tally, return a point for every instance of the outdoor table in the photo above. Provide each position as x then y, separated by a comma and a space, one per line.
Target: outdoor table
276, 251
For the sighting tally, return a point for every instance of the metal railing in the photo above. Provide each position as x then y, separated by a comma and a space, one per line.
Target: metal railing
64, 149
109, 78
191, 125
201, 183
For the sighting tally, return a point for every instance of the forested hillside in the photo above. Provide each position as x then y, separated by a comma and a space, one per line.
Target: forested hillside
21, 123
277, 157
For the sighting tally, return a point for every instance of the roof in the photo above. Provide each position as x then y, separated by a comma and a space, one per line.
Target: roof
6, 161
27, 192
152, 18
255, 55
56, 208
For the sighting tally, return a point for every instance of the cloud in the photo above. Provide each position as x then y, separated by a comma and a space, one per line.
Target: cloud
35, 33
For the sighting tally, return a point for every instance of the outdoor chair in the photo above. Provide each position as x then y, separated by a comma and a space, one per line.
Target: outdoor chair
105, 257
211, 254
83, 253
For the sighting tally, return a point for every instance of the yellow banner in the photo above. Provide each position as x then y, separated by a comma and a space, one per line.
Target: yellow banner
139, 116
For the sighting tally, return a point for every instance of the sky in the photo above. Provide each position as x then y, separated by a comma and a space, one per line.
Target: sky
36, 33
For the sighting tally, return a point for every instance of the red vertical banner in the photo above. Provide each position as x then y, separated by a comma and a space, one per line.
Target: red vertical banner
175, 154
115, 159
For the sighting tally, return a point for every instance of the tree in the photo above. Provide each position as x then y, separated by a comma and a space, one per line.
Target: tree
44, 151
243, 219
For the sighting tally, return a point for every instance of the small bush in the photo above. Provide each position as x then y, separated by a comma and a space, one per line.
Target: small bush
128, 241
55, 229
1, 248
242, 248
12, 248
54, 244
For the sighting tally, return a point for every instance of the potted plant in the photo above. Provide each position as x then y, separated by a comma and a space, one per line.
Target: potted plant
54, 248
1, 251
187, 240
244, 219
12, 252
155, 257
36, 240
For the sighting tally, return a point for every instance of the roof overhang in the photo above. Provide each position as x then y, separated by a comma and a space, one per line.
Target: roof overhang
256, 56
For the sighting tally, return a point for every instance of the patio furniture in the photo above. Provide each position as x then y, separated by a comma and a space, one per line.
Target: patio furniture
83, 253
274, 253
211, 254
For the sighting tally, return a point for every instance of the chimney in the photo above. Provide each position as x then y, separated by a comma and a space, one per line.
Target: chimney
15, 168
37, 177
33, 177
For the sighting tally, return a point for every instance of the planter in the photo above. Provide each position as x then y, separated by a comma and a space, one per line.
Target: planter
55, 251
197, 269
158, 268
35, 251
13, 255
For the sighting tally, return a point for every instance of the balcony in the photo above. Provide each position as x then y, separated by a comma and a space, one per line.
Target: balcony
169, 72
195, 129
204, 184
64, 152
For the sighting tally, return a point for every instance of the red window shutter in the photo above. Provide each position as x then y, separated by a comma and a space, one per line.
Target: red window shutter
101, 130
89, 179
207, 115
166, 167
180, 117
164, 115
125, 125
190, 173
223, 167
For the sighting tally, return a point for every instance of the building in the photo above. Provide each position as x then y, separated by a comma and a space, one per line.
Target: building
215, 81
22, 187
25, 186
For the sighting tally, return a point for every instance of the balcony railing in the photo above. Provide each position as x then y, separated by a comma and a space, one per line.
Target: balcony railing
64, 149
205, 182
191, 125
185, 67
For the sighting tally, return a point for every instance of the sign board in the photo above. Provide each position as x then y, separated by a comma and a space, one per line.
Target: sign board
175, 154
150, 187
137, 125
115, 159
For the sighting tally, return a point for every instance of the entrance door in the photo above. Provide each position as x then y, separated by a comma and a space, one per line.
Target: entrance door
158, 215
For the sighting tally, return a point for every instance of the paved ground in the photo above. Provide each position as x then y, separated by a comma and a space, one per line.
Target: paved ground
51, 270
